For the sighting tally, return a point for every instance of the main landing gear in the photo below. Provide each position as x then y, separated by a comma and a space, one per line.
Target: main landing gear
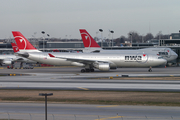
87, 70
150, 70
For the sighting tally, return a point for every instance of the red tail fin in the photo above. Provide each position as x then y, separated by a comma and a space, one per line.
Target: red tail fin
15, 47
22, 42
87, 39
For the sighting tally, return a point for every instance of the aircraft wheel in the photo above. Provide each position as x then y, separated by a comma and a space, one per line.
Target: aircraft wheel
87, 70
92, 70
83, 70
150, 70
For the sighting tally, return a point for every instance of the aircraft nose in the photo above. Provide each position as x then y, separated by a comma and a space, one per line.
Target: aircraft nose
175, 54
163, 61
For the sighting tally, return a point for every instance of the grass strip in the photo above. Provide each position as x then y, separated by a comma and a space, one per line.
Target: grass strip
85, 101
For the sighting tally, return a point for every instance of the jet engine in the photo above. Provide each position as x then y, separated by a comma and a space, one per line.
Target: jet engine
7, 62
113, 66
102, 66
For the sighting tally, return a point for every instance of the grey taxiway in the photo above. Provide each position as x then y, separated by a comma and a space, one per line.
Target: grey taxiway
71, 79
35, 111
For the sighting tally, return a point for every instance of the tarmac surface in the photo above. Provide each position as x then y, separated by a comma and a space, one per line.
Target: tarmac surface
35, 111
70, 78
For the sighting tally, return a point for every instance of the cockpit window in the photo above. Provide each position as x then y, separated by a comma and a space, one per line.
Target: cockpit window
160, 57
163, 53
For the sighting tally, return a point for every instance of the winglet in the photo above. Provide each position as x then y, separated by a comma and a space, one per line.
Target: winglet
88, 40
15, 47
51, 55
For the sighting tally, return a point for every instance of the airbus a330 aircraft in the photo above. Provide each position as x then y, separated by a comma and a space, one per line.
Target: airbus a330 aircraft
89, 61
91, 46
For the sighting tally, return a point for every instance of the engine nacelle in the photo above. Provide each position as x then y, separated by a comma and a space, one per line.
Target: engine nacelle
113, 66
102, 66
7, 62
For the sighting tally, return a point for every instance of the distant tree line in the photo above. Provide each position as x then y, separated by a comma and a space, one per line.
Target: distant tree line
136, 38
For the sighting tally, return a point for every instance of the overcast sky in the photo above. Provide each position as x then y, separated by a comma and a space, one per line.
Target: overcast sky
61, 18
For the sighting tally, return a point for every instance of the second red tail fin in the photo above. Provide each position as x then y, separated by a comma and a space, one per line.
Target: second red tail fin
15, 47
88, 40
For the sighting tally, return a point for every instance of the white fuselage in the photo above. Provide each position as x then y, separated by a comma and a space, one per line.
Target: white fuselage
118, 60
166, 53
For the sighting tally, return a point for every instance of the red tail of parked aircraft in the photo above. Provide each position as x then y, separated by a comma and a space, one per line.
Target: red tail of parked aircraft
22, 43
88, 41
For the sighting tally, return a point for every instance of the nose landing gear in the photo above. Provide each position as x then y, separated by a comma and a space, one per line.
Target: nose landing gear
150, 70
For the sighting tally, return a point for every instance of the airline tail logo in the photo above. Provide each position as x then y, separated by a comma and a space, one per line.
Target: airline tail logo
87, 39
22, 42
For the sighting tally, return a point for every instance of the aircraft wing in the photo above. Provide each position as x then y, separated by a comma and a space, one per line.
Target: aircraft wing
22, 54
85, 61
20, 59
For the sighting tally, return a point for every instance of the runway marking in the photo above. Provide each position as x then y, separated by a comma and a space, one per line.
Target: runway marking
109, 118
83, 88
108, 106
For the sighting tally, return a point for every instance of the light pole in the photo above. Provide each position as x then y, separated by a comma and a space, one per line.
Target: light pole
142, 38
45, 94
112, 36
101, 30
43, 40
131, 38
48, 36
34, 36
97, 36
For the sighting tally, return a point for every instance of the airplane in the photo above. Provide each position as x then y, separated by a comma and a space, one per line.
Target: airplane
7, 59
10, 59
91, 46
89, 61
